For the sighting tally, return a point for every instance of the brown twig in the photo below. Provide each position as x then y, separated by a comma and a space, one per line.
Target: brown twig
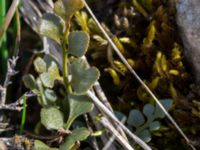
59, 134
40, 137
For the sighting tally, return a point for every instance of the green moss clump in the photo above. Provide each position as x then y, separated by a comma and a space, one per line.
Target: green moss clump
146, 34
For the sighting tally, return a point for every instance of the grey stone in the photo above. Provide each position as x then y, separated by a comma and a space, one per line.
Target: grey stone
188, 20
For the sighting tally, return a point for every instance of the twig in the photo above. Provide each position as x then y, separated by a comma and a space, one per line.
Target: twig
106, 111
99, 126
94, 141
40, 137
11, 72
3, 125
12, 62
9, 17
105, 101
52, 138
3, 90
98, 90
16, 105
137, 76
10, 107
101, 95
6, 129
115, 134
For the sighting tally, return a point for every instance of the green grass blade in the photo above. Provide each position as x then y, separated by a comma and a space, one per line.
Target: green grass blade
3, 41
23, 117
2, 10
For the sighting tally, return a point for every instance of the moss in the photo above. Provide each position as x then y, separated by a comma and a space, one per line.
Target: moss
146, 33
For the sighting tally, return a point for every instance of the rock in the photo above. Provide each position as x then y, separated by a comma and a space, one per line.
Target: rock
3, 146
188, 20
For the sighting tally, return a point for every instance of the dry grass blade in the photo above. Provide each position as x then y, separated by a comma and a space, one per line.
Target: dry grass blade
9, 17
116, 135
94, 140
98, 126
137, 77
108, 113
101, 95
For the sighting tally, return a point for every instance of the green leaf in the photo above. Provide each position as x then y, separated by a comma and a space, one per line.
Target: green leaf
41, 98
120, 116
50, 95
154, 126
54, 71
52, 118
78, 43
40, 65
72, 6
49, 58
39, 145
83, 77
148, 111
78, 134
47, 80
52, 26
167, 103
59, 9
145, 135
78, 105
135, 118
66, 8
29, 82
